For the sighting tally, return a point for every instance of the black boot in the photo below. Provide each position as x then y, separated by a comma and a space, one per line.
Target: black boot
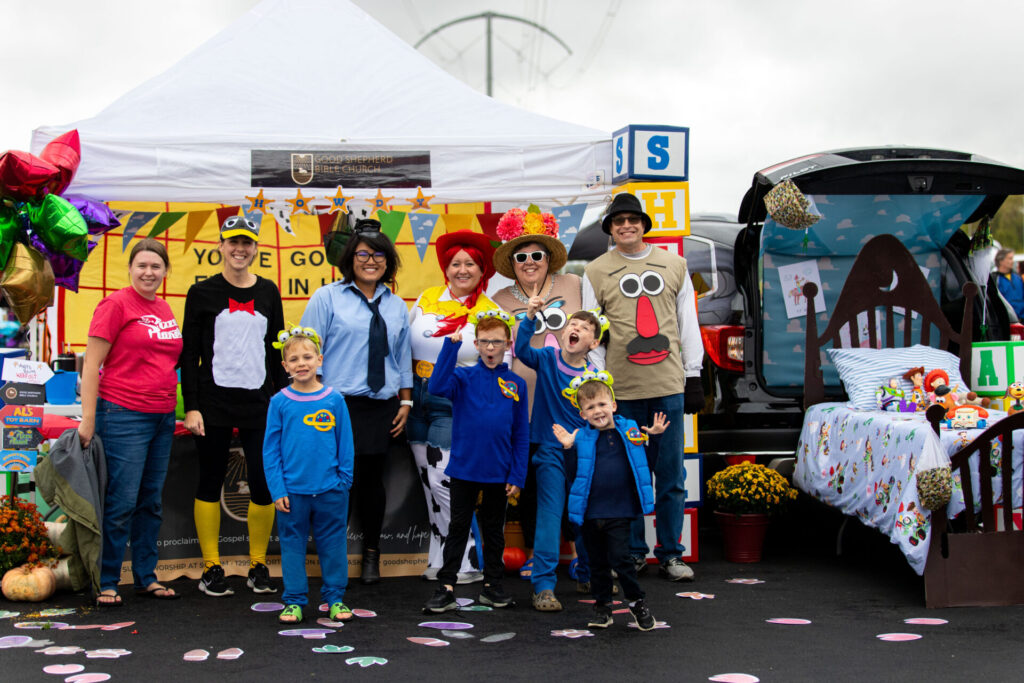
371, 567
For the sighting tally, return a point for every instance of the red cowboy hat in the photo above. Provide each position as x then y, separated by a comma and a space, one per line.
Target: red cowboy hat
467, 238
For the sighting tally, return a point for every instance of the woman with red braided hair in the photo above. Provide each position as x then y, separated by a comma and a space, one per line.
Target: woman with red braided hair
466, 260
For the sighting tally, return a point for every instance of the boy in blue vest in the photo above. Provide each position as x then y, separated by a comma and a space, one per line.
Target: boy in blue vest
611, 488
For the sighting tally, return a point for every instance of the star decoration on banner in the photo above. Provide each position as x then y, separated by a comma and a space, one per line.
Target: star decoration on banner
299, 204
420, 202
259, 203
381, 203
339, 202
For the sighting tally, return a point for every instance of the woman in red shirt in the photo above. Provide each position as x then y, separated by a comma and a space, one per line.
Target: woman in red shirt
129, 389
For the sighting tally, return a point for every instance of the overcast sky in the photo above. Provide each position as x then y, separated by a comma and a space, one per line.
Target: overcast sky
756, 82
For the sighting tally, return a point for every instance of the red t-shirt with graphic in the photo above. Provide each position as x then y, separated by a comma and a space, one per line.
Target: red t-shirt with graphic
145, 343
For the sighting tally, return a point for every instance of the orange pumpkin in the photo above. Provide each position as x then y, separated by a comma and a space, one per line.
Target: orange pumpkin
28, 584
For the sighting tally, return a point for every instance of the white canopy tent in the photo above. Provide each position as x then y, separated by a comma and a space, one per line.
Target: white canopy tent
323, 75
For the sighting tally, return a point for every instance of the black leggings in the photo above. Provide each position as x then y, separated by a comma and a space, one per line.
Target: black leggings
214, 449
371, 436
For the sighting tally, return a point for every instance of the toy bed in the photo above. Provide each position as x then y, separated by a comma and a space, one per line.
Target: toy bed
863, 461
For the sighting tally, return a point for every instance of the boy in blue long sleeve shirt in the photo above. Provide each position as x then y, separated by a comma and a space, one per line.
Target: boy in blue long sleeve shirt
556, 368
308, 458
490, 442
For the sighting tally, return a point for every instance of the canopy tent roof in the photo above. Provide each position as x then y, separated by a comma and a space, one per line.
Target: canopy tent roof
322, 75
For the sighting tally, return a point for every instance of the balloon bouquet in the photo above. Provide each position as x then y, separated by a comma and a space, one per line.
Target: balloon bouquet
45, 237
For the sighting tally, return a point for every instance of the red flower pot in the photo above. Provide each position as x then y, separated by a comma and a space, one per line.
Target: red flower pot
743, 535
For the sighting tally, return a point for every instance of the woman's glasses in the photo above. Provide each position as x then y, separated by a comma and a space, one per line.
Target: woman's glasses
364, 256
524, 256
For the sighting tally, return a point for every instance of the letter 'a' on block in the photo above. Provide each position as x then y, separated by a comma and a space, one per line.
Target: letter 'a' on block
642, 152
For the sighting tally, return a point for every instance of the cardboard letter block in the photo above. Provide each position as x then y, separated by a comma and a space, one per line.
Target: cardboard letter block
650, 153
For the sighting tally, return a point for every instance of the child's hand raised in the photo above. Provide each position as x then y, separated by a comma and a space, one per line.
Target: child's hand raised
563, 435
456, 336
536, 302
660, 424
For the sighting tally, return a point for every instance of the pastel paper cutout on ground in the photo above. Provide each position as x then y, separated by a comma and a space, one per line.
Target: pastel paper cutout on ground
55, 612
456, 634
498, 637
41, 624
366, 661
196, 656
745, 582
657, 624
102, 627
87, 678
694, 595
63, 669
571, 633
308, 633
898, 637
268, 607
734, 678
14, 641
327, 623
477, 608
333, 649
589, 601
61, 650
364, 613
107, 653
925, 621
4, 614
450, 625
230, 653
429, 642
463, 602
624, 610
788, 620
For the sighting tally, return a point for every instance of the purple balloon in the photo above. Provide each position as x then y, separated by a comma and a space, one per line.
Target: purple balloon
98, 216
65, 269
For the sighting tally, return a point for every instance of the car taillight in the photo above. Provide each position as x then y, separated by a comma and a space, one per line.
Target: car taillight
724, 346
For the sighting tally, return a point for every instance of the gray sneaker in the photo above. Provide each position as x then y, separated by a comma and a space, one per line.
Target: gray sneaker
674, 569
469, 577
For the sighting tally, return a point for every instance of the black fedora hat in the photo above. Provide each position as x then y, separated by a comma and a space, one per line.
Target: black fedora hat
624, 202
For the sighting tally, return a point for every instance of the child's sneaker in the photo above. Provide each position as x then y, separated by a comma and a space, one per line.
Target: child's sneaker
602, 617
213, 582
443, 601
259, 579
493, 595
641, 615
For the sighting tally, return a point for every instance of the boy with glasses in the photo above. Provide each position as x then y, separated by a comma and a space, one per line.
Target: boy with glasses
490, 442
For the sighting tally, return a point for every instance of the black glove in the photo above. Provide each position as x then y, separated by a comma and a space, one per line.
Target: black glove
693, 396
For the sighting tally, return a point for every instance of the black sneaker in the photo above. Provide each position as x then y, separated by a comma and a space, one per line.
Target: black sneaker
641, 615
443, 601
602, 617
213, 582
640, 563
493, 595
259, 579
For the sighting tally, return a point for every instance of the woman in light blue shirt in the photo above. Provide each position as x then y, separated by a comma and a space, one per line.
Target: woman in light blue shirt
364, 327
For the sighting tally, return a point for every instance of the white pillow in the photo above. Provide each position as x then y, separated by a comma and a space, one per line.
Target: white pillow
862, 371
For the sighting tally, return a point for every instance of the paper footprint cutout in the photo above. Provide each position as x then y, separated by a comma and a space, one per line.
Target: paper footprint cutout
196, 656
449, 625
61, 650
696, 595
327, 623
498, 637
63, 669
745, 582
571, 633
657, 624
364, 613
55, 625
56, 612
307, 633
366, 661
898, 637
230, 653
266, 607
925, 621
734, 678
333, 649
87, 678
6, 614
429, 642
789, 621
456, 634
107, 653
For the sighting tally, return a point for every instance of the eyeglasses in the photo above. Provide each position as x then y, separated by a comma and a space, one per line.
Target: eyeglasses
524, 256
364, 256
491, 343
623, 218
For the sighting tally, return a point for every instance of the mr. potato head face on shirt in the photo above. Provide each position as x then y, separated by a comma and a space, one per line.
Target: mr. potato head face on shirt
641, 282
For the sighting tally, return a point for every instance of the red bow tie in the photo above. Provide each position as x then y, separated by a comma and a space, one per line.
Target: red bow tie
247, 307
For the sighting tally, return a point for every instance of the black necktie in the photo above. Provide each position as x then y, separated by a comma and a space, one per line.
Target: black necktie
378, 346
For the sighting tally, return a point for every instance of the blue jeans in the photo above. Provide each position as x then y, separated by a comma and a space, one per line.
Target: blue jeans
430, 420
137, 447
327, 514
549, 464
665, 457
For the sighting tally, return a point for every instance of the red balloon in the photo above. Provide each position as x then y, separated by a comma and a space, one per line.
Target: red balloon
64, 152
514, 558
23, 175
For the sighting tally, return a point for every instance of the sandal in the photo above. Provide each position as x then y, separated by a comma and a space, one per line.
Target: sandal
573, 566
340, 612
526, 571
157, 592
112, 599
545, 601
292, 614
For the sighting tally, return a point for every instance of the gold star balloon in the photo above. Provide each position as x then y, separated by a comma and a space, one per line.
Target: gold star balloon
339, 202
420, 202
381, 203
259, 203
27, 282
299, 204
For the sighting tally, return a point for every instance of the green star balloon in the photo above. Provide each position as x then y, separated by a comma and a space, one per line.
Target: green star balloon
61, 226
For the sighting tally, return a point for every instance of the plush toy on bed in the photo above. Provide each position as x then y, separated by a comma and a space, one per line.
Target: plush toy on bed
1014, 402
966, 417
893, 398
917, 395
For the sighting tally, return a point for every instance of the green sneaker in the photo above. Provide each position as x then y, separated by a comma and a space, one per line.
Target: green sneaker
340, 612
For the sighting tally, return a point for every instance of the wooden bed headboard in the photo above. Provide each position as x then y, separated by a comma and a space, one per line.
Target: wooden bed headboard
869, 287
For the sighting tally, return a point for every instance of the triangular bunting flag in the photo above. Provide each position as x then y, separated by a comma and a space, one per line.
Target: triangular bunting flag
422, 225
391, 223
224, 213
195, 222
569, 220
121, 214
458, 221
327, 222
489, 224
165, 221
135, 222
255, 215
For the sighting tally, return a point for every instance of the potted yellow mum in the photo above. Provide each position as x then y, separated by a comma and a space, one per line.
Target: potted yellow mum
745, 496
